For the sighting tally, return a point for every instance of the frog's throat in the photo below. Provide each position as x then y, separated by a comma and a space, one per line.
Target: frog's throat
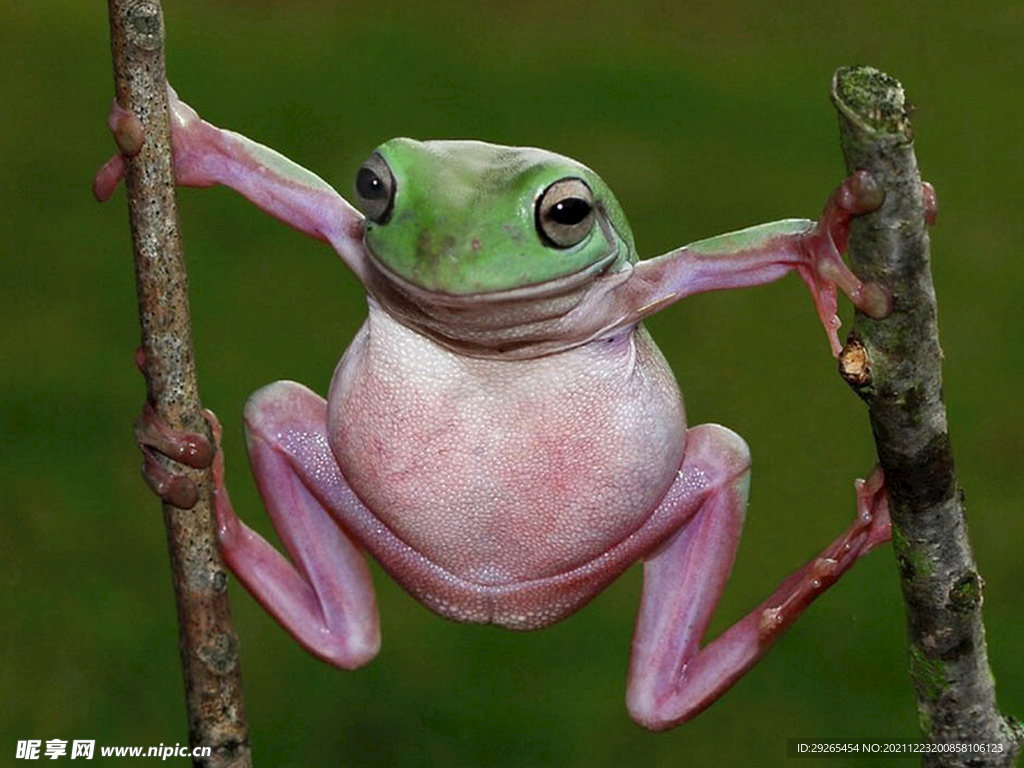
515, 324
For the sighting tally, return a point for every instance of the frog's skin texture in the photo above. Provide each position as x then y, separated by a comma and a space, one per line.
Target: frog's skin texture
503, 435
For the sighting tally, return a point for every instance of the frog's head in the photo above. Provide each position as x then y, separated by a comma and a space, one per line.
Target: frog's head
466, 218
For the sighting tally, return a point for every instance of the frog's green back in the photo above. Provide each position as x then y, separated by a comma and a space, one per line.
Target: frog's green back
463, 217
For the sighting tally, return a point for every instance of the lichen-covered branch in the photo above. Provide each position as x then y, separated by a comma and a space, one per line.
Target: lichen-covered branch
209, 654
895, 366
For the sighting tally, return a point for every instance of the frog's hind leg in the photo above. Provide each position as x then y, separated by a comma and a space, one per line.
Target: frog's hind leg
671, 678
323, 595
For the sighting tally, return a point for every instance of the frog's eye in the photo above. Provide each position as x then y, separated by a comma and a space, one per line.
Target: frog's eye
565, 213
375, 189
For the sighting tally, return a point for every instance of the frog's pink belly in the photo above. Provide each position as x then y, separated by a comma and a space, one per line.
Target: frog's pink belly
501, 472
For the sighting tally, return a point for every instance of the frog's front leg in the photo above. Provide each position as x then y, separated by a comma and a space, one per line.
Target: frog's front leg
672, 679
762, 254
205, 155
323, 596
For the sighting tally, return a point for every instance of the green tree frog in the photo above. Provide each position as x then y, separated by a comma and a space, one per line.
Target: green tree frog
502, 434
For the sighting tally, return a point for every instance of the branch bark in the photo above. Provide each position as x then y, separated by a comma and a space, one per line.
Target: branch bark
208, 645
895, 366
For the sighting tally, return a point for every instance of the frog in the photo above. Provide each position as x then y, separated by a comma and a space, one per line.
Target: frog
502, 435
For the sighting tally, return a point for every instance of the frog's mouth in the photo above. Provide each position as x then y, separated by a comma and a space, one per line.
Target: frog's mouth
516, 323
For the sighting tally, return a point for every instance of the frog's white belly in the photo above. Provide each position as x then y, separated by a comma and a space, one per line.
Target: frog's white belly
504, 471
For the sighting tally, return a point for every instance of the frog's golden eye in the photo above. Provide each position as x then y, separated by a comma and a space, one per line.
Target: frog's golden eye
565, 213
375, 189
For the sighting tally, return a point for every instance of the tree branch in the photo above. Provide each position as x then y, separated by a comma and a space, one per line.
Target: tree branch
209, 647
895, 366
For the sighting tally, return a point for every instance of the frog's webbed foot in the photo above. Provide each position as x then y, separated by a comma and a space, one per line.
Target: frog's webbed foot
129, 135
871, 527
191, 141
155, 437
823, 268
192, 449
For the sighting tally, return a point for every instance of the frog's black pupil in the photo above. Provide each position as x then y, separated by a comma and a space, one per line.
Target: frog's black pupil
369, 185
571, 210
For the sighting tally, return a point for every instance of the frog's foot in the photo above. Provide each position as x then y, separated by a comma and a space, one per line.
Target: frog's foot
871, 527
192, 449
823, 268
129, 136
193, 143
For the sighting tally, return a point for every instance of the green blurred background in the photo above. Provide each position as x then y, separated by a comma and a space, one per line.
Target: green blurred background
704, 117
